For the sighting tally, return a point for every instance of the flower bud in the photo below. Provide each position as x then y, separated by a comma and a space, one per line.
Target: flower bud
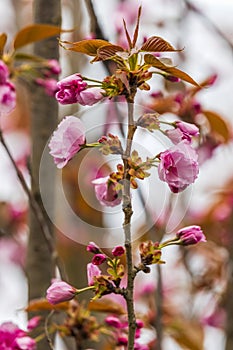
118, 251
191, 235
60, 291
98, 259
93, 248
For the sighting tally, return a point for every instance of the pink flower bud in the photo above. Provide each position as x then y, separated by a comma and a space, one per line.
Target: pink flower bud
7, 97
25, 343
4, 72
90, 96
93, 248
92, 271
54, 66
67, 140
191, 235
105, 192
60, 291
118, 251
183, 131
49, 84
113, 321
178, 166
98, 259
33, 323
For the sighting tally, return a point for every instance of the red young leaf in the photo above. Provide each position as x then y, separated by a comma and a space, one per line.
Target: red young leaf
43, 304
127, 35
157, 44
155, 62
106, 305
135, 36
218, 125
107, 52
35, 32
89, 47
3, 39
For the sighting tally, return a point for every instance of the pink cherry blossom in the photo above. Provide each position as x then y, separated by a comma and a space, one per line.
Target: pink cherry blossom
25, 343
4, 72
90, 96
92, 271
60, 291
93, 248
178, 166
191, 235
118, 250
113, 321
7, 98
105, 192
67, 140
183, 131
14, 338
49, 84
69, 89
54, 66
33, 322
98, 259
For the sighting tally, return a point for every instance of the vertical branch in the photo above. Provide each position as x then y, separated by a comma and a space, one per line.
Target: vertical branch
159, 305
40, 261
128, 212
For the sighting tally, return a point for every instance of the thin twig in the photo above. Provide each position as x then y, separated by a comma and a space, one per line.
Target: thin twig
33, 203
96, 29
47, 331
159, 305
190, 6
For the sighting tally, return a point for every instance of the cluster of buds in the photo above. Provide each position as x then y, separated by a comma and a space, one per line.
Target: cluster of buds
149, 121
114, 85
105, 284
110, 145
80, 324
7, 90
15, 338
119, 327
150, 253
138, 168
47, 73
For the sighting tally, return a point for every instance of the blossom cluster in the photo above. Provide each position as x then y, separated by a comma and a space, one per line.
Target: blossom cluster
47, 72
7, 90
14, 338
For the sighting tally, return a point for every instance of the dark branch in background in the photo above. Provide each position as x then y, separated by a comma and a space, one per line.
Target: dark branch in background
96, 29
191, 7
155, 234
33, 203
159, 309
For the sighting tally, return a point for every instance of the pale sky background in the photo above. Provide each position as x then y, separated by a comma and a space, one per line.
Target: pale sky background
207, 53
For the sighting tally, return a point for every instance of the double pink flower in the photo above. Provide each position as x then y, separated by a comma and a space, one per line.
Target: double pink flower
73, 89
67, 140
178, 166
7, 90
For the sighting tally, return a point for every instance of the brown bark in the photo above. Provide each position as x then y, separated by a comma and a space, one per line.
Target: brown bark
40, 258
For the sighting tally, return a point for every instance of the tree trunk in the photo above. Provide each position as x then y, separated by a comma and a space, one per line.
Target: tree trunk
40, 258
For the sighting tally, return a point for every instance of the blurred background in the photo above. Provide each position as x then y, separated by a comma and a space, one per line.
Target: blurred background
196, 283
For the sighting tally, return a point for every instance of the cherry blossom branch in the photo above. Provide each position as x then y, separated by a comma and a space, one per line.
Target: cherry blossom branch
128, 212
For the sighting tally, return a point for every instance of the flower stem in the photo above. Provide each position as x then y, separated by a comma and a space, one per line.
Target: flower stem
128, 211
